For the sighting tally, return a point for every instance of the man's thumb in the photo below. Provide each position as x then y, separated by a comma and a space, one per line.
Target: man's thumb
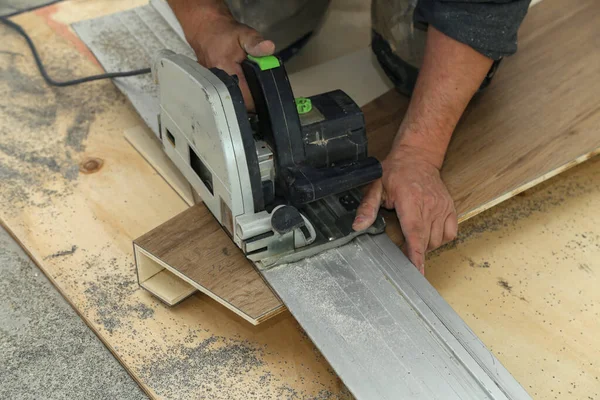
255, 45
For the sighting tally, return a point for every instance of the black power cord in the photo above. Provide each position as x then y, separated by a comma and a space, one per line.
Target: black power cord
51, 81
24, 10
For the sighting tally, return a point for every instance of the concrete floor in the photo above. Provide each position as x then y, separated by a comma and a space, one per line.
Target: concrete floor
46, 350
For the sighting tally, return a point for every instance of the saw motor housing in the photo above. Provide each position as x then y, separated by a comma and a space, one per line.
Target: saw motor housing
282, 181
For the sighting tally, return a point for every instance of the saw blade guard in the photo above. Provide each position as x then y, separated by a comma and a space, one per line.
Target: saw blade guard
200, 133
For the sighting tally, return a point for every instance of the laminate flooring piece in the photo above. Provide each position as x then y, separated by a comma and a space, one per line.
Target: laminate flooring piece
193, 246
539, 117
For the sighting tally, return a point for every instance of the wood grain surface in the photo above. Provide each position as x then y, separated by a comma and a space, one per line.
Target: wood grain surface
523, 275
194, 244
539, 117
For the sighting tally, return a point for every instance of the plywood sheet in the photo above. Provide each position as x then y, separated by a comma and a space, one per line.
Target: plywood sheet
523, 275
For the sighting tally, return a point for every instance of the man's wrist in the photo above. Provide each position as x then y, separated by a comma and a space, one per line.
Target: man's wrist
426, 146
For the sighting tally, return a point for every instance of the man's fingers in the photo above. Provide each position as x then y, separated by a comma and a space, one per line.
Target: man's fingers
416, 233
367, 211
263, 48
255, 45
436, 235
450, 227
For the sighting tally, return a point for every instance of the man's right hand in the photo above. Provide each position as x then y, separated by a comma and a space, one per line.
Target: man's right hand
411, 184
219, 40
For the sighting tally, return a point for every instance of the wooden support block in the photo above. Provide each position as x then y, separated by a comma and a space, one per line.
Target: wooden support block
191, 252
160, 278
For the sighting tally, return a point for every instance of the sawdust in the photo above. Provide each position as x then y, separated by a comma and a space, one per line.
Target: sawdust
504, 285
44, 129
116, 41
317, 287
210, 365
542, 198
111, 297
63, 253
220, 368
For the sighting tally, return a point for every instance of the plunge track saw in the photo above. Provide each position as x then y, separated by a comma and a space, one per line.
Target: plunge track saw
282, 181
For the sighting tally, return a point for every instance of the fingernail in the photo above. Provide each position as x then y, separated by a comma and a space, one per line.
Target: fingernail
254, 48
249, 47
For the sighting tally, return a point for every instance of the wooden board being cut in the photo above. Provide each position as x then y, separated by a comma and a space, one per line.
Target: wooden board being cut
538, 118
193, 246
524, 275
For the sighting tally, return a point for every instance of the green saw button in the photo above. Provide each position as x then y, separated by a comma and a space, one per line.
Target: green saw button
303, 105
266, 62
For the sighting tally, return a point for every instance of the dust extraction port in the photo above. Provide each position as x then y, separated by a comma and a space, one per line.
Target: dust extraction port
201, 170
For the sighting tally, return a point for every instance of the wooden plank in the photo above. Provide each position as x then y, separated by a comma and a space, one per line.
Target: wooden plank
195, 248
538, 118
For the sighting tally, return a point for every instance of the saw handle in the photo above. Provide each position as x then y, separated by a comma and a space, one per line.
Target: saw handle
302, 175
278, 120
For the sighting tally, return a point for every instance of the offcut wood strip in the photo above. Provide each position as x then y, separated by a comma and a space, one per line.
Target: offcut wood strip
151, 149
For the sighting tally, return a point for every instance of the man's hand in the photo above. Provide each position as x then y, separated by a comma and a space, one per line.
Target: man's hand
451, 73
219, 40
412, 186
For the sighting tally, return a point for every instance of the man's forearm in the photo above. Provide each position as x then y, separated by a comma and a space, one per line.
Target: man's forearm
450, 75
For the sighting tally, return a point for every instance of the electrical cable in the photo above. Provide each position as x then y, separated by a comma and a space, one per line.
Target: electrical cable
53, 82
24, 10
